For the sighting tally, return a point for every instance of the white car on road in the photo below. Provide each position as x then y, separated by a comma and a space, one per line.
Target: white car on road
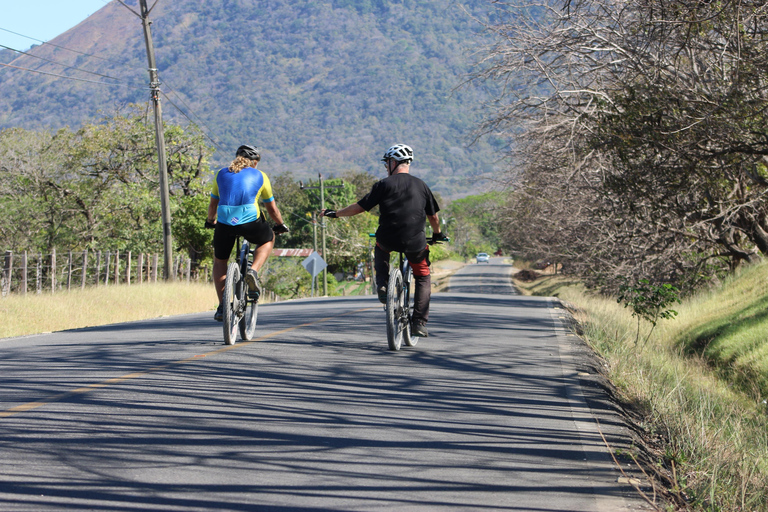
482, 257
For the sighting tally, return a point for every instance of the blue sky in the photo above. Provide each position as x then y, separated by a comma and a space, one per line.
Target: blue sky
41, 19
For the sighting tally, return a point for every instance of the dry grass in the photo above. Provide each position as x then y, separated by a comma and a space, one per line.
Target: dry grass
34, 314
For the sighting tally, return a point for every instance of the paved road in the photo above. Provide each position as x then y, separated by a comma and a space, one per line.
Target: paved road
492, 277
489, 413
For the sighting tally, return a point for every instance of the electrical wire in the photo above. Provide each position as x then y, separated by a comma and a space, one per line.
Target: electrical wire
190, 110
207, 136
56, 46
126, 6
68, 77
57, 63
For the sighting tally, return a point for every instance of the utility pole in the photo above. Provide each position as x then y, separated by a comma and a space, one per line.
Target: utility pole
314, 231
154, 87
322, 225
322, 232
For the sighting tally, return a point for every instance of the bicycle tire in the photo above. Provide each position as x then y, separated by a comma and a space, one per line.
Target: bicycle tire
250, 309
248, 322
394, 310
410, 341
231, 304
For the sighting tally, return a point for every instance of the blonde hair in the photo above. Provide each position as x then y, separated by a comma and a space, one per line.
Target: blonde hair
240, 163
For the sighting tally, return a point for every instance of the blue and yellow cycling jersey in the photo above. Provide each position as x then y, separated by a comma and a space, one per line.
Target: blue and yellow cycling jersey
238, 194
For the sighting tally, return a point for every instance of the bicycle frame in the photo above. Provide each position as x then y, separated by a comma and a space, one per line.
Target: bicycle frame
242, 255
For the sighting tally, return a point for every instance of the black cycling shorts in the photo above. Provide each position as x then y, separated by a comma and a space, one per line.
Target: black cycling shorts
257, 232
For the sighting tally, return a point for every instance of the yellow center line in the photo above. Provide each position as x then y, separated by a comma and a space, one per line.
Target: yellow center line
116, 380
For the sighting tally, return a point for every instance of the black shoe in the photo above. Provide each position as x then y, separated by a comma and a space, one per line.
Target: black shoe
252, 280
419, 329
382, 291
219, 314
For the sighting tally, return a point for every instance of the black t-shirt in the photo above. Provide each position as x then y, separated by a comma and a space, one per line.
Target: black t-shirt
404, 203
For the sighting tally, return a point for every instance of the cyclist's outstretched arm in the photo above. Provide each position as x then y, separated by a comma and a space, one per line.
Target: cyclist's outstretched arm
274, 212
347, 211
212, 207
434, 221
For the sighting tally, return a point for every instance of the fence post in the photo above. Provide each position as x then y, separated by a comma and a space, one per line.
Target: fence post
106, 269
128, 270
140, 269
69, 271
84, 274
98, 267
117, 266
39, 274
53, 270
24, 274
189, 269
154, 268
7, 272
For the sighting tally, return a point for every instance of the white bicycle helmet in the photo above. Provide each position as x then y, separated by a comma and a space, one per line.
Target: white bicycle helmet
399, 152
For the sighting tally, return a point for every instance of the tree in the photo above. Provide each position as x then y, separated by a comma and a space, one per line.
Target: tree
642, 123
97, 187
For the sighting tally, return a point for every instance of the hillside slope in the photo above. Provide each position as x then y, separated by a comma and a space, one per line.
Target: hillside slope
322, 86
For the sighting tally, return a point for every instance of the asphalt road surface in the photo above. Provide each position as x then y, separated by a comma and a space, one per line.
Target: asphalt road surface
494, 411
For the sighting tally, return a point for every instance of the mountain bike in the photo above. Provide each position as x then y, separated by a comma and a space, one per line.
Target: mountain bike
399, 306
240, 311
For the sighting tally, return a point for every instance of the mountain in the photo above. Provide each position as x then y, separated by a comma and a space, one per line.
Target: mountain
322, 86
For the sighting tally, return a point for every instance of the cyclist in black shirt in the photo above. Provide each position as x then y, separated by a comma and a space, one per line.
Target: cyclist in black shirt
405, 204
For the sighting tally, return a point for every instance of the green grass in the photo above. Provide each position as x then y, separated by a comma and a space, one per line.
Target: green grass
729, 329
34, 314
699, 384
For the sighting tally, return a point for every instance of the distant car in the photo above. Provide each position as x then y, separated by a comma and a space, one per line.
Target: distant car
482, 257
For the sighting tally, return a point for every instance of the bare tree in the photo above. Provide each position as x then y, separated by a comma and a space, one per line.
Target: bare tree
653, 113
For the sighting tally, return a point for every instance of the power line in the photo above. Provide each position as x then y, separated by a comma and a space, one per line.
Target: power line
68, 77
57, 63
207, 136
191, 111
56, 46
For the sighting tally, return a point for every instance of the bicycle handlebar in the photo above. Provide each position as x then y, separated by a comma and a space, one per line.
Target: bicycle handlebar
438, 238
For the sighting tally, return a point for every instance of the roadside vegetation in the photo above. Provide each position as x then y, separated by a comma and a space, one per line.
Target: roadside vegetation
697, 389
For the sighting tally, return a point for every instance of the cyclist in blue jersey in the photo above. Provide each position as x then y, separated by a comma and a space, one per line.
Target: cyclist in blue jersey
234, 211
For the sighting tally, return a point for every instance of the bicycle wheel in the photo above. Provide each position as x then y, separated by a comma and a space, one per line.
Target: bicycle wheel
250, 307
410, 341
395, 309
248, 322
231, 304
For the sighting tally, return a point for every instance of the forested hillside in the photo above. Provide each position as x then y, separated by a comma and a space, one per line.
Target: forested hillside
323, 86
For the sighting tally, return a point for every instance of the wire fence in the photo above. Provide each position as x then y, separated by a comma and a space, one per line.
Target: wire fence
25, 272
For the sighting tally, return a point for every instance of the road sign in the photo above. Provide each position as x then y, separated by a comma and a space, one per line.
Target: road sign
314, 264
